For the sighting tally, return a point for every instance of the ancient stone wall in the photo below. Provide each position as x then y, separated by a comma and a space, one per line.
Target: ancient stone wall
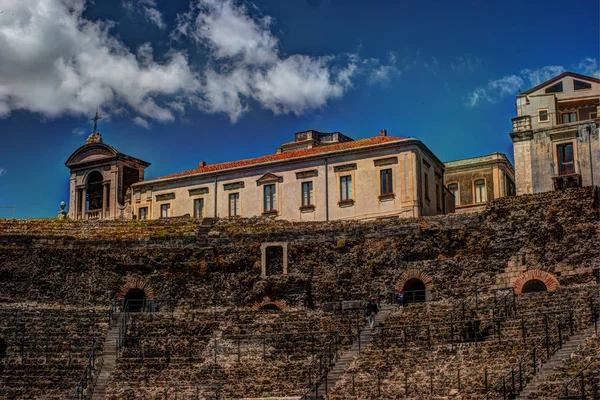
88, 263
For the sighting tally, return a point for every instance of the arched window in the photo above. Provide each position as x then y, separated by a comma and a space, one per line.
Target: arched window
135, 300
414, 291
94, 192
534, 286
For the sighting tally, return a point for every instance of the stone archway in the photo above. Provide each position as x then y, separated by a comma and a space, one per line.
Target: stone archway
95, 201
417, 285
267, 304
532, 281
136, 293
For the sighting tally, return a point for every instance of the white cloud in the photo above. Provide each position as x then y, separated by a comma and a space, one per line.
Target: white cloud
85, 67
82, 67
589, 66
379, 73
247, 64
141, 122
466, 63
148, 9
2, 171
537, 76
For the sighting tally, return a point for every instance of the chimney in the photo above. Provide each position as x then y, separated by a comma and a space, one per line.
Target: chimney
202, 164
383, 132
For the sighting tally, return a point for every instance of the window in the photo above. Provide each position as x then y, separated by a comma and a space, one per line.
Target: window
543, 115
593, 115
480, 193
427, 187
270, 198
438, 196
580, 85
143, 213
569, 117
566, 163
386, 186
558, 88
198, 208
453, 188
165, 210
234, 204
346, 188
307, 194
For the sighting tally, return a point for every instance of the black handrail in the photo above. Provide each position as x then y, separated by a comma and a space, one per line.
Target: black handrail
321, 365
90, 375
214, 391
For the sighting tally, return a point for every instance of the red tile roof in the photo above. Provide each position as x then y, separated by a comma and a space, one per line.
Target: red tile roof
284, 156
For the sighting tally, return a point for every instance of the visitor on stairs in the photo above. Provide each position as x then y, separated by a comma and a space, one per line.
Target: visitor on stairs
400, 297
371, 311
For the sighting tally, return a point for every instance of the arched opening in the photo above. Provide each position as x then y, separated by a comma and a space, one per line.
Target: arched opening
3, 349
414, 291
534, 286
270, 307
135, 300
94, 192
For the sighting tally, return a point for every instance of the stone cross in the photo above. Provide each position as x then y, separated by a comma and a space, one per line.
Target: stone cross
96, 119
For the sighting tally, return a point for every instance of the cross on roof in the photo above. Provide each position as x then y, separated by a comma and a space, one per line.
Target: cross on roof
96, 119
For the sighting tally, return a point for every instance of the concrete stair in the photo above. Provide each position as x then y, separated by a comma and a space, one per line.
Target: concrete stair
347, 357
109, 364
555, 360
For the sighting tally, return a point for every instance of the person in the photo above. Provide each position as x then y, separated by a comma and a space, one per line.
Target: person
400, 297
371, 311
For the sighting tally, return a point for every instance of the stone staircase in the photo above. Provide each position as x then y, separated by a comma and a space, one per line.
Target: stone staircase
547, 368
347, 357
109, 364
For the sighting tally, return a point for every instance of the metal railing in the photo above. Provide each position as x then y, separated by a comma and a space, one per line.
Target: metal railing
585, 384
86, 384
319, 369
512, 383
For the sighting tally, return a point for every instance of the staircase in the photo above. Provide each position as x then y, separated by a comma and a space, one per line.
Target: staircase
109, 364
335, 373
562, 354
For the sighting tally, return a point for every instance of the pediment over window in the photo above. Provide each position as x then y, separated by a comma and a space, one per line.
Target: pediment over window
269, 178
92, 152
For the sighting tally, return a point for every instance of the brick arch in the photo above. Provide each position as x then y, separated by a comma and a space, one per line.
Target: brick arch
280, 304
135, 284
549, 280
415, 273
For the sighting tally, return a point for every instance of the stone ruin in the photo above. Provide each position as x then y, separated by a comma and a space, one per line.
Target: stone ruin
176, 308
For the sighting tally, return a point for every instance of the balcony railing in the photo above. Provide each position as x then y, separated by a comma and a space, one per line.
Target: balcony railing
566, 174
93, 214
522, 123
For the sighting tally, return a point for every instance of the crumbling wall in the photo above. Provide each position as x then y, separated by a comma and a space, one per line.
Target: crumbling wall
87, 262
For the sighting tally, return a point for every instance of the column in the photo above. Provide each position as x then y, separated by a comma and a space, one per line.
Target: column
104, 214
83, 203
77, 204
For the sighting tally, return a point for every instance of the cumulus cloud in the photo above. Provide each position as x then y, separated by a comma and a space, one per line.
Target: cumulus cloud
2, 171
141, 122
249, 65
148, 9
82, 68
85, 67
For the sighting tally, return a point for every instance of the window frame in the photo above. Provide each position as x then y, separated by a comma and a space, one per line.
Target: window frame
386, 182
576, 112
483, 194
582, 89
346, 192
310, 196
562, 88
426, 186
199, 200
457, 195
237, 209
145, 213
558, 158
543, 121
595, 115
270, 199
165, 207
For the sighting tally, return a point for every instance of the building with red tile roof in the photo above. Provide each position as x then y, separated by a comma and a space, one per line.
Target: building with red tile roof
317, 177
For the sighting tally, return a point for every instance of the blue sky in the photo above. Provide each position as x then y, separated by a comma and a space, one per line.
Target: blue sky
182, 81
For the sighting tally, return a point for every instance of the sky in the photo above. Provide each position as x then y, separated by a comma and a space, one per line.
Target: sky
183, 81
